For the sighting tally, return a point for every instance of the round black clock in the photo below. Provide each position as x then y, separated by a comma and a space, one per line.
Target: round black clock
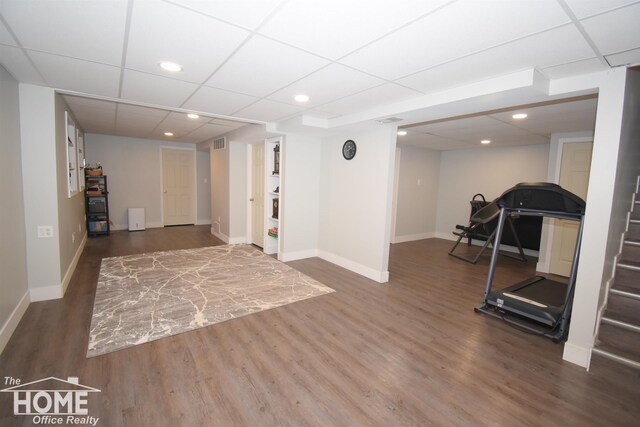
349, 149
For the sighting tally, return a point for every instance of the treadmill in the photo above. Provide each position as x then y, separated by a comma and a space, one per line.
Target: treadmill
538, 304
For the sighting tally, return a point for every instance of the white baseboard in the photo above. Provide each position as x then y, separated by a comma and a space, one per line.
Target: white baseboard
12, 322
506, 248
295, 255
368, 272
576, 354
203, 221
72, 267
119, 227
236, 240
220, 236
413, 237
45, 293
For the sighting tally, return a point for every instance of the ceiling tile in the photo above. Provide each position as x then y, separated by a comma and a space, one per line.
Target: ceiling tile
627, 30
266, 110
563, 117
328, 84
15, 61
180, 124
584, 8
262, 66
584, 66
629, 57
438, 38
333, 28
208, 131
234, 11
86, 109
131, 118
165, 32
216, 101
87, 29
144, 87
81, 76
5, 37
385, 94
530, 52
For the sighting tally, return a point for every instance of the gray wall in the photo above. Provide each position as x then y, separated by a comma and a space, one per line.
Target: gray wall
13, 261
133, 169
418, 180
71, 223
485, 170
203, 170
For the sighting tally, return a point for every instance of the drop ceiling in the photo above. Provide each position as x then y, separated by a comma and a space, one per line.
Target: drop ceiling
246, 59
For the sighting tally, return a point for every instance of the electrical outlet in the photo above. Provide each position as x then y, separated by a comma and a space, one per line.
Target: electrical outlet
45, 231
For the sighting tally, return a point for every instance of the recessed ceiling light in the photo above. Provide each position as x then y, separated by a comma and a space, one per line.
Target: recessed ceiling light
301, 98
520, 116
193, 116
402, 132
170, 66
168, 134
485, 141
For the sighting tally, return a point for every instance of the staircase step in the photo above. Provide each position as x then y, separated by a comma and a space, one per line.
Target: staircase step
620, 341
623, 309
633, 233
627, 280
607, 361
635, 213
630, 251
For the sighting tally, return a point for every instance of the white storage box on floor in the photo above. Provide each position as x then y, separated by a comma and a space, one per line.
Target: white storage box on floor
136, 219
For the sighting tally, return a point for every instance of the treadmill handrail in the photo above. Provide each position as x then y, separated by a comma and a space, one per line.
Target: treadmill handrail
546, 214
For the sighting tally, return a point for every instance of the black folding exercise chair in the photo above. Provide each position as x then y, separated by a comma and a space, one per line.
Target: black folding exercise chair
482, 226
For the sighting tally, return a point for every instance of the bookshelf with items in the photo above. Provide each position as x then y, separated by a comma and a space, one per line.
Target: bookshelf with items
96, 202
273, 226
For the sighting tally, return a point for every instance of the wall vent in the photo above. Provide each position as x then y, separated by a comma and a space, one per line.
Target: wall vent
219, 144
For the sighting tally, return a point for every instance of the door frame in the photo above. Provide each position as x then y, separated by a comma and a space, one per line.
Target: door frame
249, 213
195, 181
555, 164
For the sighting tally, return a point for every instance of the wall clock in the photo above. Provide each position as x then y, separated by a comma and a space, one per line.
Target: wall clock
349, 149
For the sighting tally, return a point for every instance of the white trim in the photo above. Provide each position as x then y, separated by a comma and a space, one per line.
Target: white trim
195, 182
295, 255
220, 236
249, 212
237, 240
203, 221
45, 293
72, 267
147, 225
413, 237
363, 270
11, 324
503, 247
577, 355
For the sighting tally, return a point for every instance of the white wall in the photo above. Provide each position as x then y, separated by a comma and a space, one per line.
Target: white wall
134, 173
301, 157
220, 193
203, 187
13, 251
355, 201
39, 180
616, 156
418, 180
486, 170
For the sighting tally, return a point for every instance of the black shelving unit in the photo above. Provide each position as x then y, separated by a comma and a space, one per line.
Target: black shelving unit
97, 205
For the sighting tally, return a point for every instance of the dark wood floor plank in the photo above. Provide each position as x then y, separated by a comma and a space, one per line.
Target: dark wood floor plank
410, 352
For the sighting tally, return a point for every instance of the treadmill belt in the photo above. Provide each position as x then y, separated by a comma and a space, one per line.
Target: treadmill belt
545, 291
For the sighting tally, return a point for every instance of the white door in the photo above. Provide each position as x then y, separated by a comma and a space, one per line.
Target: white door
178, 181
574, 177
257, 194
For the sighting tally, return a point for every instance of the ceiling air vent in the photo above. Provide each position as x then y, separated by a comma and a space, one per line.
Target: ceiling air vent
219, 144
390, 120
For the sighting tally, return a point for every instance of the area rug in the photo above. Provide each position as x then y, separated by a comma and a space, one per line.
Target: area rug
141, 298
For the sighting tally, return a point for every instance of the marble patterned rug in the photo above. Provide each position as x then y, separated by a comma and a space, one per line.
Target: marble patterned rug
141, 298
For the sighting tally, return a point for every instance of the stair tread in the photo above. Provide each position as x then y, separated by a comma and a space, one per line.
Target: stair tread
602, 365
620, 341
623, 309
632, 263
618, 352
624, 287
